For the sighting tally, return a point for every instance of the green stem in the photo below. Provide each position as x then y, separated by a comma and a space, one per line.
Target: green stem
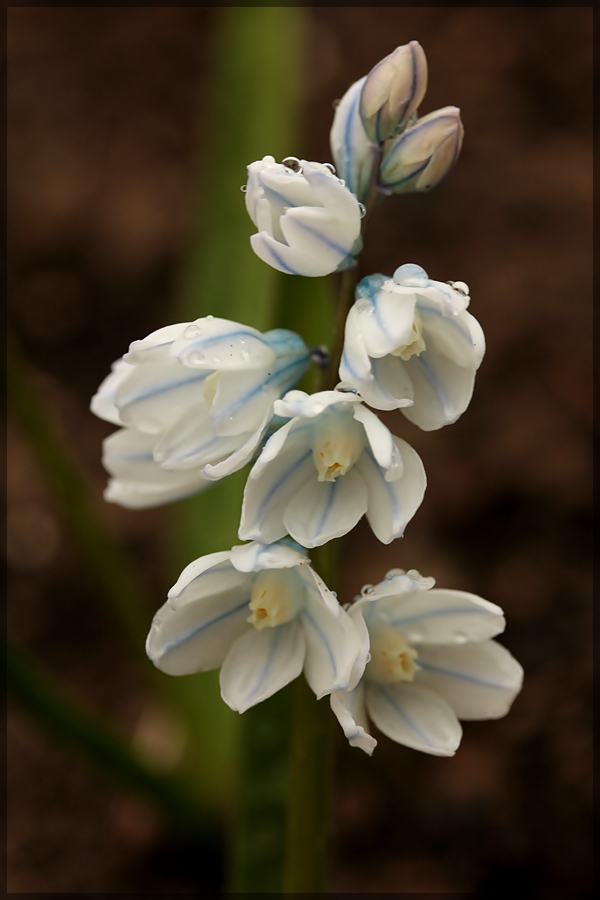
102, 746
311, 771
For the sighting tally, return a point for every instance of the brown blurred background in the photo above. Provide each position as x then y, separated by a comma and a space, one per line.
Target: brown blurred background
103, 123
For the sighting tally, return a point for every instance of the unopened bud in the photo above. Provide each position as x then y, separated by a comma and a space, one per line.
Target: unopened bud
393, 91
420, 157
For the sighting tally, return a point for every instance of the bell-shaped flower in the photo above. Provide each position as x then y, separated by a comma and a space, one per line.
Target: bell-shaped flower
353, 153
195, 400
410, 344
392, 92
432, 662
308, 221
321, 472
419, 158
263, 615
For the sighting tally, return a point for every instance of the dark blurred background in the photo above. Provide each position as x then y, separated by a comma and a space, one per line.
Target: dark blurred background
105, 124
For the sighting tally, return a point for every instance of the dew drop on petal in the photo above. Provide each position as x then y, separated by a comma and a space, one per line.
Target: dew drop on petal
367, 589
363, 210
331, 167
210, 317
411, 275
192, 331
460, 637
293, 163
244, 188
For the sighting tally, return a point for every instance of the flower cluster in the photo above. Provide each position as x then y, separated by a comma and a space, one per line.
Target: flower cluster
200, 400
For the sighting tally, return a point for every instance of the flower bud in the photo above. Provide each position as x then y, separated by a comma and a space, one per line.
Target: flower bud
308, 221
392, 92
353, 153
420, 157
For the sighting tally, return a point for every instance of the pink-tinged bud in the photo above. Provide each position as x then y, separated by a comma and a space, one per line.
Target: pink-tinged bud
420, 157
393, 91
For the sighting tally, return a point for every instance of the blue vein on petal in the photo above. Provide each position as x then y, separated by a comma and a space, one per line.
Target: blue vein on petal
462, 676
321, 634
438, 389
396, 511
274, 376
327, 510
270, 249
135, 398
325, 240
267, 666
277, 485
348, 141
200, 628
387, 696
432, 614
216, 338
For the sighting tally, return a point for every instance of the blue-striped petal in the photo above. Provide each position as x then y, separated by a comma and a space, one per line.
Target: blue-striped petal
323, 510
415, 716
349, 709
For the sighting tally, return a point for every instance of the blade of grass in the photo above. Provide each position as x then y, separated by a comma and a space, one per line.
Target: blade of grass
102, 746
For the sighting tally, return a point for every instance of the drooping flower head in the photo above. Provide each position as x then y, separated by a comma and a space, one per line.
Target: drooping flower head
308, 221
432, 662
263, 615
411, 344
321, 472
195, 400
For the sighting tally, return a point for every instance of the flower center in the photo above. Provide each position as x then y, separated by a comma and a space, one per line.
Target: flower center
210, 387
276, 598
415, 344
338, 444
392, 658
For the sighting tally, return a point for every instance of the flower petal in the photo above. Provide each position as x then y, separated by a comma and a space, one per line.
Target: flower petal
196, 635
211, 564
255, 557
442, 390
103, 402
323, 510
391, 387
238, 459
156, 346
139, 481
387, 323
307, 406
442, 616
392, 504
450, 334
260, 663
269, 489
218, 344
479, 680
415, 716
153, 397
333, 645
381, 440
192, 443
349, 708
355, 365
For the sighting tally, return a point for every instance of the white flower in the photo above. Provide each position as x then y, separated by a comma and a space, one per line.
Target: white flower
393, 91
411, 344
432, 663
263, 615
308, 221
327, 467
419, 158
195, 400
353, 153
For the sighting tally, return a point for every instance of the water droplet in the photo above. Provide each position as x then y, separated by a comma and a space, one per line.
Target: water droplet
342, 182
367, 589
245, 354
293, 163
331, 167
244, 188
460, 637
363, 210
336, 103
411, 275
196, 358
334, 594
192, 331
460, 287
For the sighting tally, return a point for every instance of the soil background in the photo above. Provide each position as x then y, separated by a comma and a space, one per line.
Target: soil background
103, 132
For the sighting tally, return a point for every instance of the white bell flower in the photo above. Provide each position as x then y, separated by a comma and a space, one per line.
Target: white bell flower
432, 662
410, 344
263, 615
421, 156
323, 470
195, 400
392, 91
308, 221
353, 153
